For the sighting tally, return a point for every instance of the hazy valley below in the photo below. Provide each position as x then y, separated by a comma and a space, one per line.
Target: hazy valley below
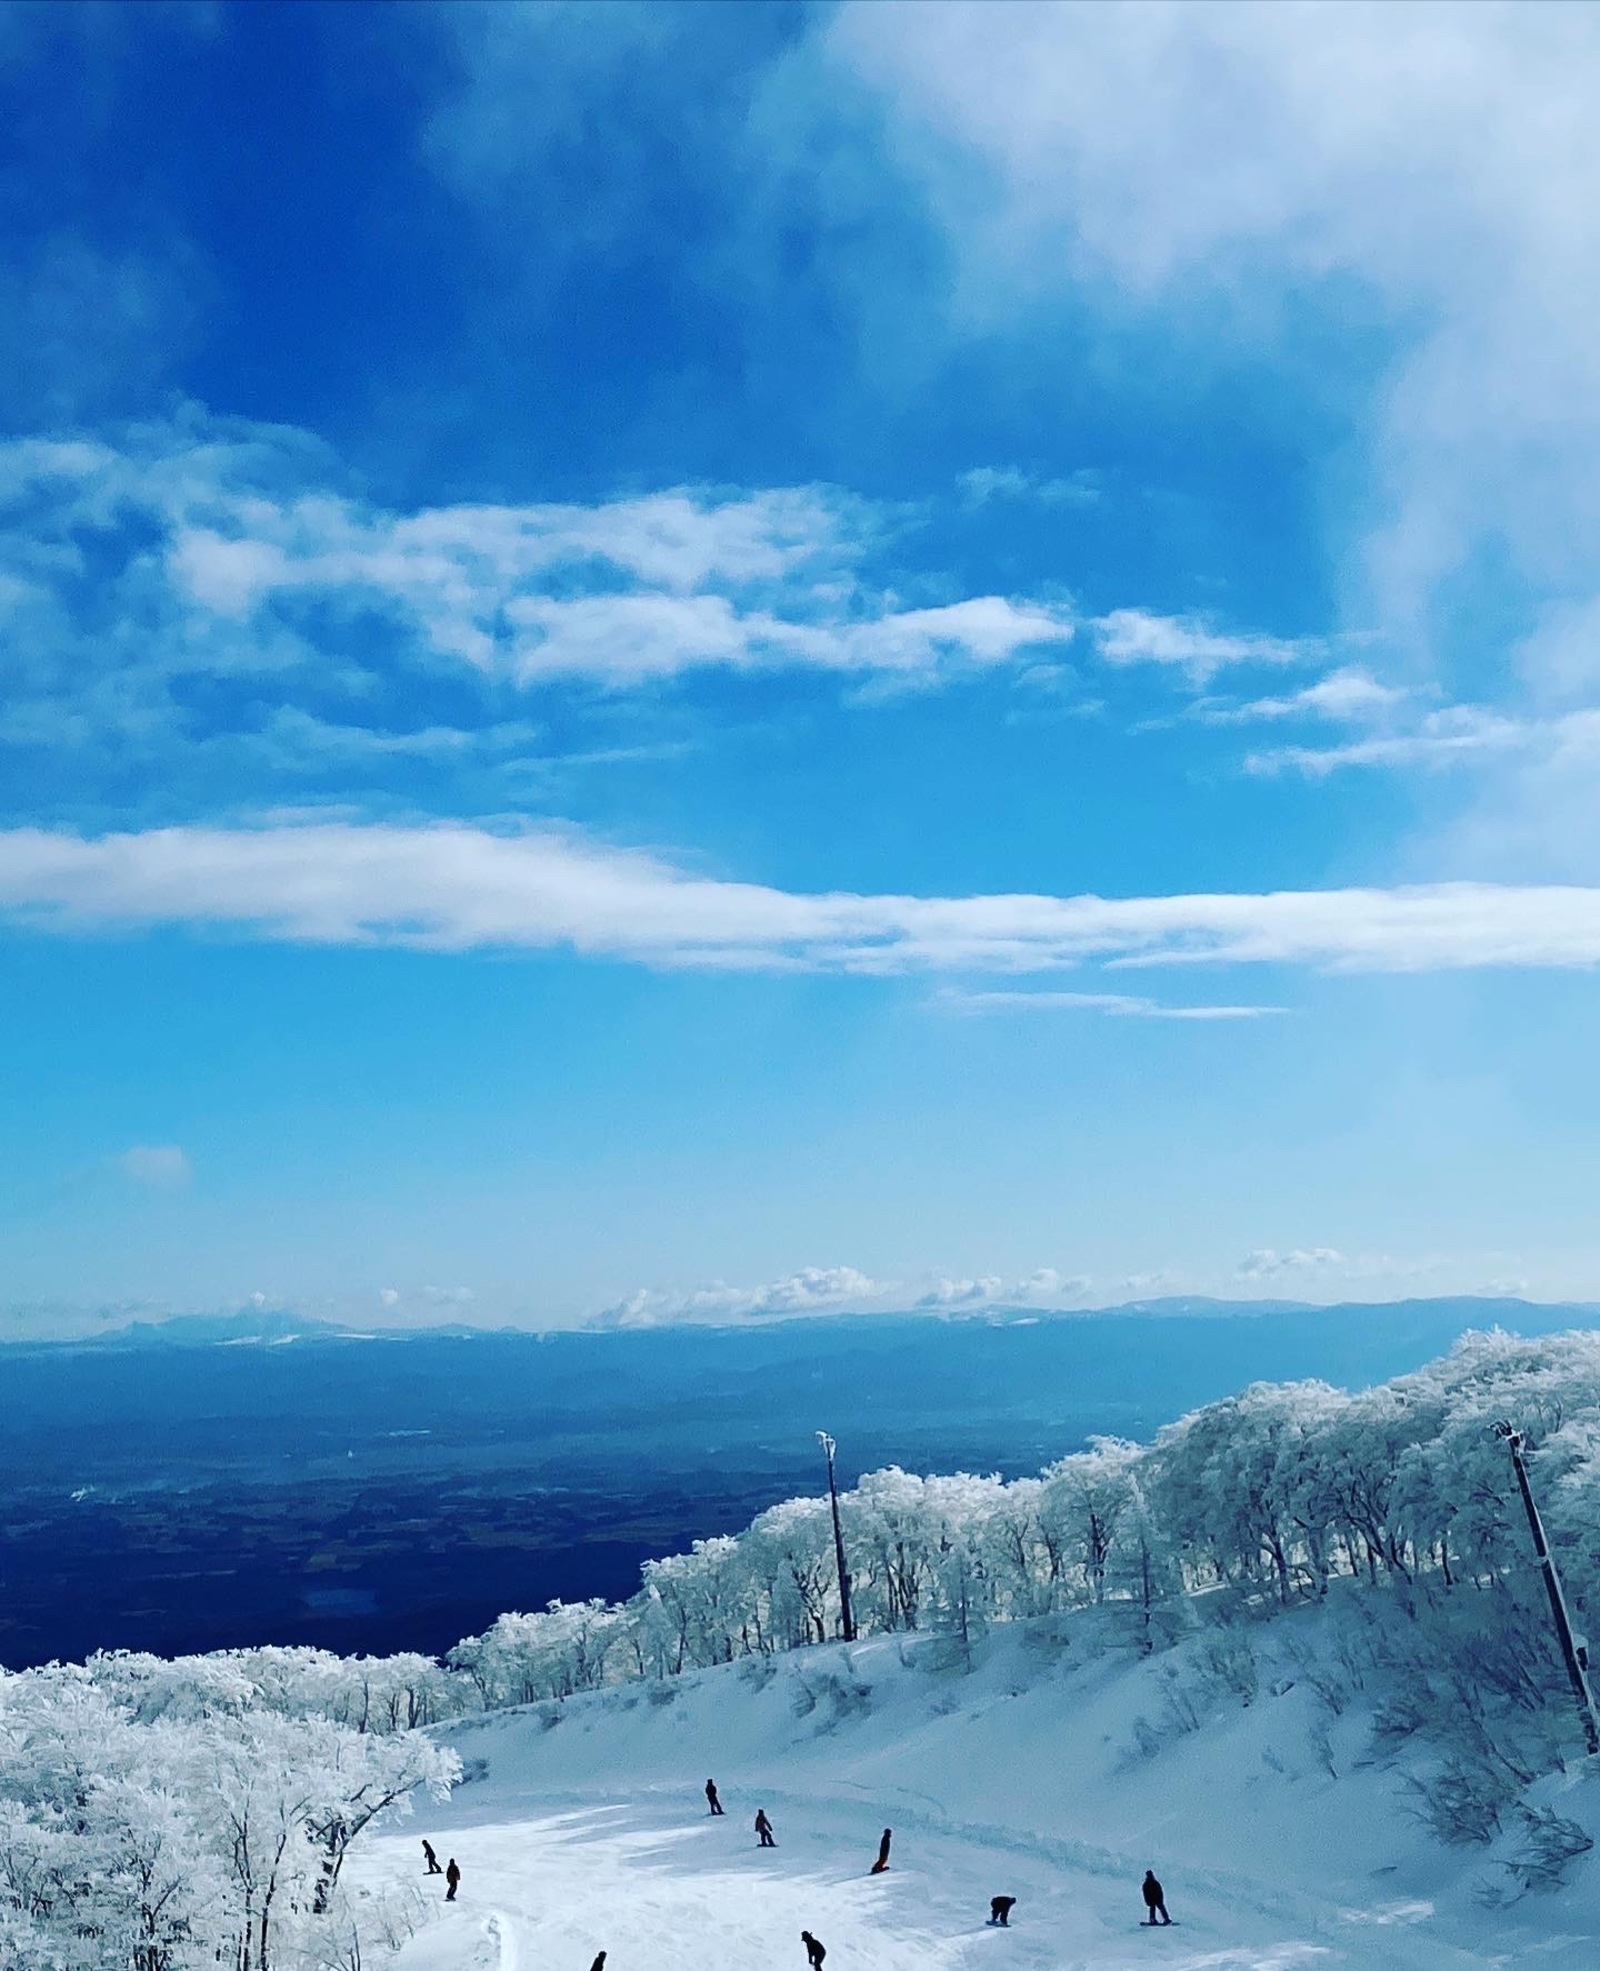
377, 1494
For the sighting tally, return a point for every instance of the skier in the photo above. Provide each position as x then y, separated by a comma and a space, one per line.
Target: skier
1000, 1908
882, 1862
814, 1951
711, 1797
1155, 1899
431, 1859
452, 1877
600, 1963
764, 1829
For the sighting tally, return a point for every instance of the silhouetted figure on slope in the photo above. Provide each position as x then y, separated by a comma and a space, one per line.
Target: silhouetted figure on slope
599, 1963
814, 1951
882, 1862
764, 1829
1000, 1908
1155, 1899
452, 1879
711, 1797
431, 1859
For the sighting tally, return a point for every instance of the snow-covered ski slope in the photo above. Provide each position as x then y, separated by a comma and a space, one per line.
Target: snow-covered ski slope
1280, 1840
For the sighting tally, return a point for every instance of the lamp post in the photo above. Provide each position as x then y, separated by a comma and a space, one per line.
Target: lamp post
847, 1627
1573, 1654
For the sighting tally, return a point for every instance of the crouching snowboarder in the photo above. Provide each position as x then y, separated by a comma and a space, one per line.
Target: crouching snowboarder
814, 1951
711, 1797
452, 1881
1155, 1899
431, 1859
882, 1862
1000, 1908
764, 1829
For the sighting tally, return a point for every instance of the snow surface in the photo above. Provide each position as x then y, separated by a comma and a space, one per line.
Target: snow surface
584, 1827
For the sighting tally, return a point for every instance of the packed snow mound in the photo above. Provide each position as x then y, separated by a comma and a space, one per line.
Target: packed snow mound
1054, 1769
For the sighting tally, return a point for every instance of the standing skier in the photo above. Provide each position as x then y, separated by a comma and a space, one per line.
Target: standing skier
711, 1797
431, 1859
1155, 1899
882, 1862
764, 1829
814, 1951
600, 1962
1000, 1908
452, 1881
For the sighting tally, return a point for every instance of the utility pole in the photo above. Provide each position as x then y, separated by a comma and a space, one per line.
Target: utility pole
1573, 1653
847, 1625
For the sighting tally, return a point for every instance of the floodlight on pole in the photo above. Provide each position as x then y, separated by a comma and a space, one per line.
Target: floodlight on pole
847, 1627
1573, 1653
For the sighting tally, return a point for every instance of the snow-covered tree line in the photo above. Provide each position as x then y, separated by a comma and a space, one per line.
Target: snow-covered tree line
1253, 1504
163, 1815
167, 1816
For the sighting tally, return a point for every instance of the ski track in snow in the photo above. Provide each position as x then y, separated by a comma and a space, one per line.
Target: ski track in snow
501, 1933
662, 1888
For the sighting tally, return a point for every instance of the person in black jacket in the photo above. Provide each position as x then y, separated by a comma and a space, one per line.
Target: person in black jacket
599, 1963
882, 1862
452, 1881
711, 1797
1000, 1908
764, 1829
431, 1859
814, 1951
1155, 1899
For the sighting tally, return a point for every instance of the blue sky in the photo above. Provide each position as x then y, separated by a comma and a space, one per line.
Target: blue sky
695, 662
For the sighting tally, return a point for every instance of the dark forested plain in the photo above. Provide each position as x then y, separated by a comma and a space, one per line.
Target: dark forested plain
172, 1490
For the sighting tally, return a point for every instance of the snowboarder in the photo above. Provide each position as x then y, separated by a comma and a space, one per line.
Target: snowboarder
452, 1879
882, 1862
1155, 1899
764, 1829
600, 1963
1000, 1908
431, 1859
814, 1951
711, 1797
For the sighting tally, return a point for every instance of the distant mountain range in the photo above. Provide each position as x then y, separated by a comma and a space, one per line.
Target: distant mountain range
269, 1326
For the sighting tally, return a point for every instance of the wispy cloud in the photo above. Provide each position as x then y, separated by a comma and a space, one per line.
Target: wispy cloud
1135, 636
1009, 482
232, 552
1455, 735
1120, 1005
1347, 696
156, 1166
460, 888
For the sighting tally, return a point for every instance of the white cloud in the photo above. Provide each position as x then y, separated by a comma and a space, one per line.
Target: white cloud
1266, 1263
1046, 1286
231, 550
1349, 696
1134, 636
813, 1290
157, 1166
1442, 163
962, 1293
452, 887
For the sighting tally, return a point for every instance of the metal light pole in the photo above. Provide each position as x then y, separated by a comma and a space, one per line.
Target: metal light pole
847, 1624
1574, 1657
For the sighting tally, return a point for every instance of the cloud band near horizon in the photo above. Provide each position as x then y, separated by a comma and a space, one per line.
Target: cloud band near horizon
453, 887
